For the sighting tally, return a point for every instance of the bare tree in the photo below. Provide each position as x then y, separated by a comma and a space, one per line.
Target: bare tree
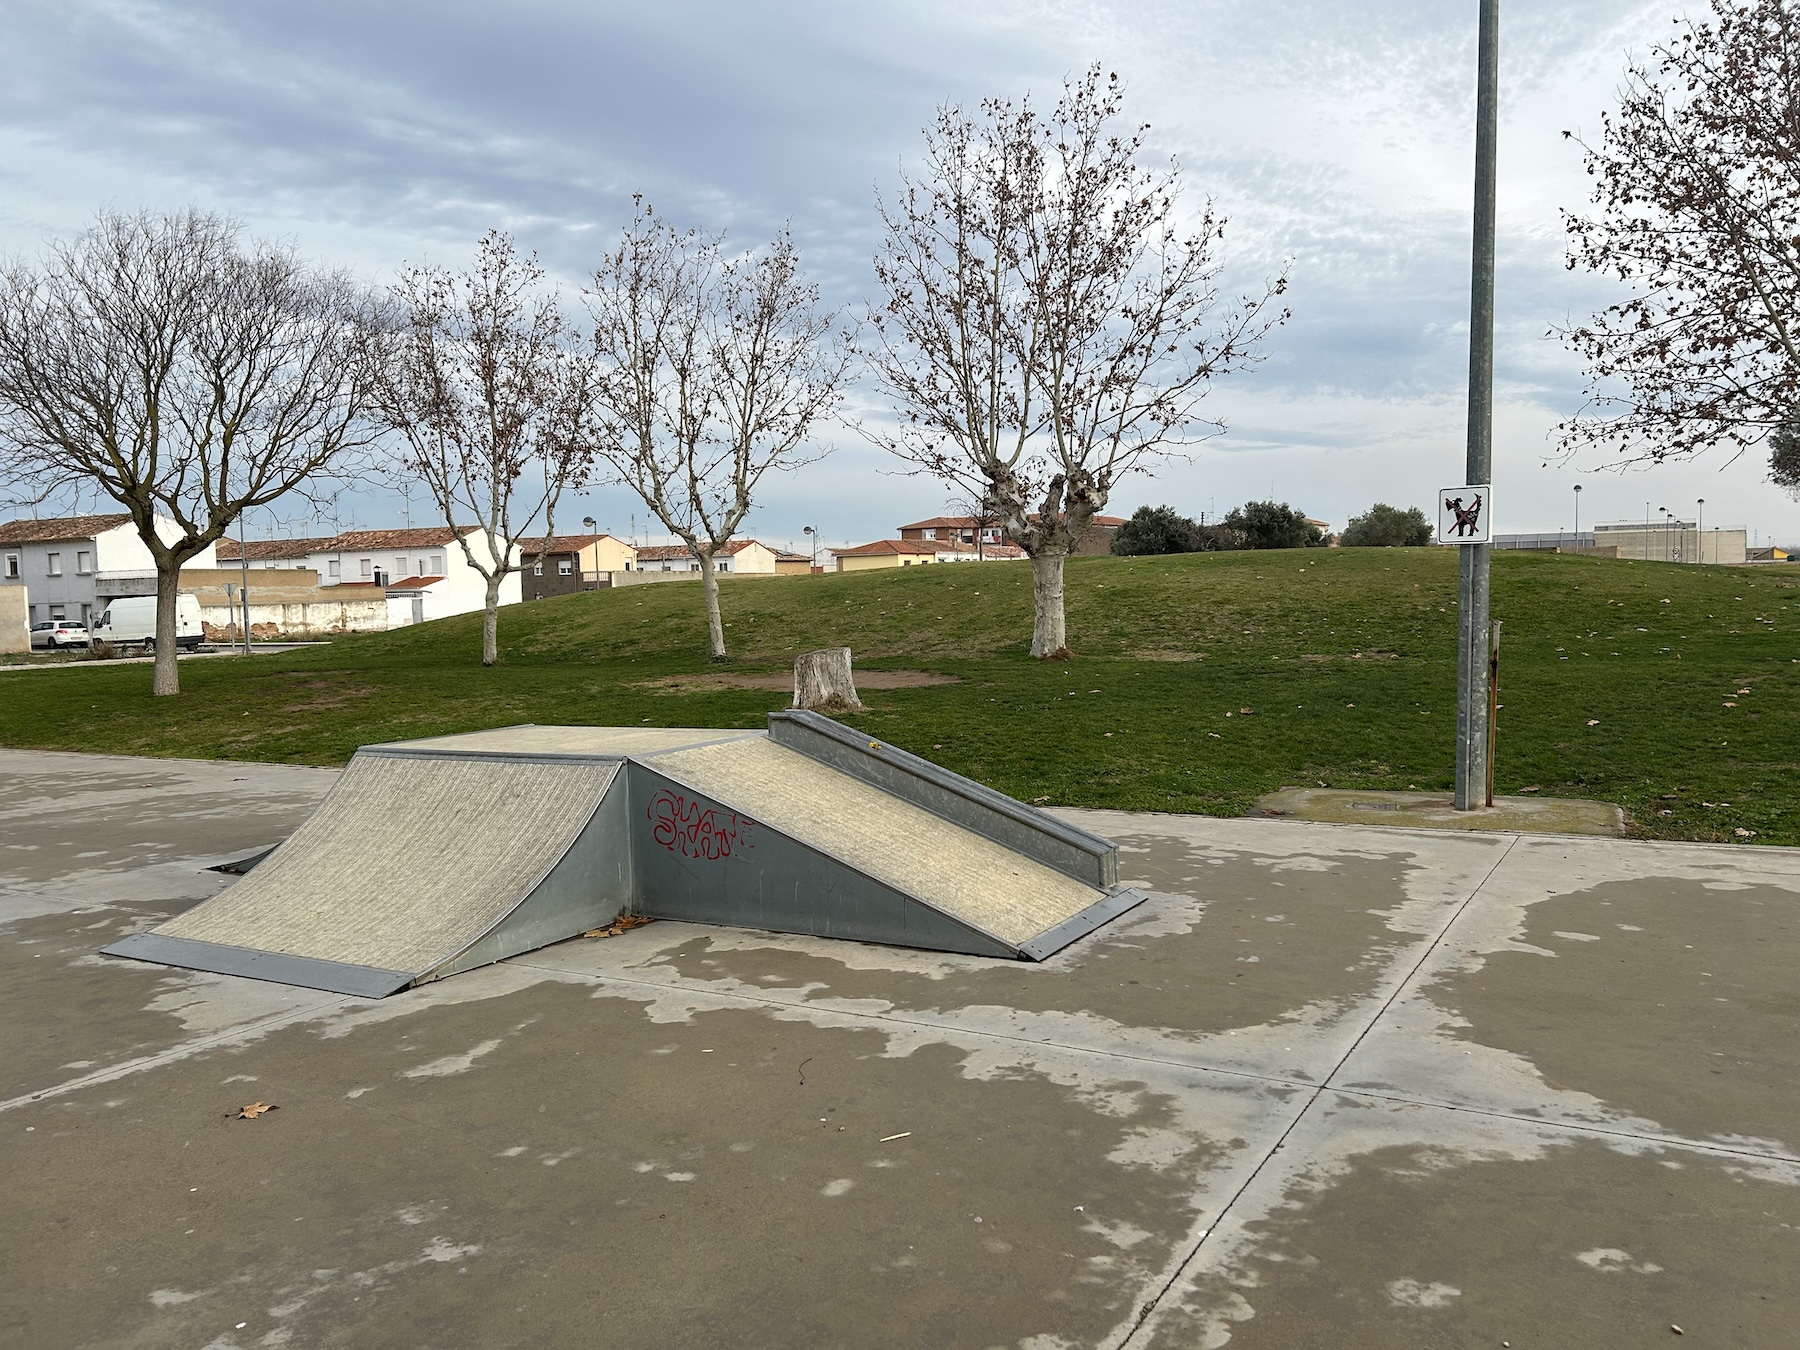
716, 370
1049, 327
490, 389
1698, 198
157, 361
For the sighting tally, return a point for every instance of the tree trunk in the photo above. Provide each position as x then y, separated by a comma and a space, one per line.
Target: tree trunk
166, 679
490, 622
715, 624
823, 683
1048, 634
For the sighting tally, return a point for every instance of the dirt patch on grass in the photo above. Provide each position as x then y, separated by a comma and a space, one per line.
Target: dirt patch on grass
322, 693
865, 679
1350, 656
1165, 656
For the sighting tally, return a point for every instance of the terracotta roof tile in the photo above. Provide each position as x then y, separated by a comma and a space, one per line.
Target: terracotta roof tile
882, 547
260, 549
55, 531
413, 583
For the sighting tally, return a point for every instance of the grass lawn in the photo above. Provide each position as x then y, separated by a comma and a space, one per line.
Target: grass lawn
1200, 681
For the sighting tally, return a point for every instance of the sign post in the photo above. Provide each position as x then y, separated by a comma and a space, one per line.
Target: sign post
1472, 590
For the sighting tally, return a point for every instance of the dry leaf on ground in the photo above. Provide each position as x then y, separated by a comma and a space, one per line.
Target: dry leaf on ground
255, 1109
623, 924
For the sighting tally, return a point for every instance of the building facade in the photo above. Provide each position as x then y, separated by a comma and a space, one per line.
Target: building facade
884, 553
969, 530
59, 562
743, 557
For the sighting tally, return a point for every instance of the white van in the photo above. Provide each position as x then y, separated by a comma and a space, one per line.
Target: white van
130, 620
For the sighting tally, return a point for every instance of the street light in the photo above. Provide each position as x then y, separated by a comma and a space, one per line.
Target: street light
1578, 517
1700, 530
813, 534
1665, 516
589, 524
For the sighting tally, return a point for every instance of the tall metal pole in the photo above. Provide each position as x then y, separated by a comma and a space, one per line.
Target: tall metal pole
1472, 601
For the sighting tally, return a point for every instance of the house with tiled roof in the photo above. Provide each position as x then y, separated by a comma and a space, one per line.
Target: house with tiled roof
571, 562
423, 569
749, 557
59, 562
969, 530
884, 553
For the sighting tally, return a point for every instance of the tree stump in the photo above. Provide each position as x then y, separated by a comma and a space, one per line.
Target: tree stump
822, 681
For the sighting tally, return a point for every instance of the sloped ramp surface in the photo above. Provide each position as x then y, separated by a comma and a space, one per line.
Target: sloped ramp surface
904, 875
412, 868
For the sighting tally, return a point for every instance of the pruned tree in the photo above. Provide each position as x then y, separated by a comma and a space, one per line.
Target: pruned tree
1697, 185
1384, 526
490, 390
714, 371
1051, 320
161, 362
1274, 525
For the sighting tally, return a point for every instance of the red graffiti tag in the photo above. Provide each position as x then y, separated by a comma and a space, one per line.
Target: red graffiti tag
685, 826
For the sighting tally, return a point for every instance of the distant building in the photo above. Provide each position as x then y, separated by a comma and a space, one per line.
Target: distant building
884, 553
969, 530
748, 557
424, 569
571, 562
1676, 541
58, 562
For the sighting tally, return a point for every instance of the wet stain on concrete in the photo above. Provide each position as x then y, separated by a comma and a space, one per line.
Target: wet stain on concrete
1664, 998
1581, 1246
67, 1013
541, 1191
1257, 945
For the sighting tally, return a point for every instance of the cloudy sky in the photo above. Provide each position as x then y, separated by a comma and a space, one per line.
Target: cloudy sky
1335, 134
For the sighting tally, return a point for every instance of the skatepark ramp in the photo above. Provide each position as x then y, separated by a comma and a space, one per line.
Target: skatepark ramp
433, 857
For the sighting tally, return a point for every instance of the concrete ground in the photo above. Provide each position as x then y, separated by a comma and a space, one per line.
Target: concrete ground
1331, 1086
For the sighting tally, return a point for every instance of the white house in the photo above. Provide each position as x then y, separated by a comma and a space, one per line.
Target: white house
747, 557
425, 571
59, 561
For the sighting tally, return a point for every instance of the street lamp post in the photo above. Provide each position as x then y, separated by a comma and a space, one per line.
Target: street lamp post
1700, 531
1473, 638
813, 535
1578, 517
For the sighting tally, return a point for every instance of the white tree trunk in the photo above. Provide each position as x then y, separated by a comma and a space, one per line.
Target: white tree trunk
490, 622
715, 623
166, 679
823, 683
1049, 637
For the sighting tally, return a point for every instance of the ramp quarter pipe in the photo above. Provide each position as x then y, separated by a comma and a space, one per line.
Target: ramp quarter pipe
433, 857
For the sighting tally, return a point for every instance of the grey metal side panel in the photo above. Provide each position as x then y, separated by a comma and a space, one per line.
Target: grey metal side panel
1104, 910
733, 871
336, 976
589, 887
962, 801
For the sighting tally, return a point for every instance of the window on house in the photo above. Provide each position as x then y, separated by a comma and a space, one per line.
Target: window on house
437, 564
928, 534
58, 613
12, 567
368, 566
400, 568
333, 567
84, 563
537, 568
565, 568
53, 564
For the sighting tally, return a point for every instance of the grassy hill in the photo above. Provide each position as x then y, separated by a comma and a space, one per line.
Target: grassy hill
1200, 681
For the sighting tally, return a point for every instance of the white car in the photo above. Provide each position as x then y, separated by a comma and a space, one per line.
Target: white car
55, 633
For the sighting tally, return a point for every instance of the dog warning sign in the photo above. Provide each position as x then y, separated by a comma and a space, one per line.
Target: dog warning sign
1463, 514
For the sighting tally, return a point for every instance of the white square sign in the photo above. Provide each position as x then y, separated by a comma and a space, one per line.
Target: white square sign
1464, 514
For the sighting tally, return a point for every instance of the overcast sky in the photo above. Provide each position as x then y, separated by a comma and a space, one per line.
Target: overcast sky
1334, 133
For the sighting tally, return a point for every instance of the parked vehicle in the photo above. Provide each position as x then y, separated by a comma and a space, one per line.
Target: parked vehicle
54, 633
131, 621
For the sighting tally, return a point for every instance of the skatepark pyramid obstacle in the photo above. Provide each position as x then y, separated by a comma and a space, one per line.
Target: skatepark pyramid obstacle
519, 837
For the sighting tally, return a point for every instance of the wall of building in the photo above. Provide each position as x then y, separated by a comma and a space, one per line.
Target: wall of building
869, 562
1678, 542
15, 624
81, 566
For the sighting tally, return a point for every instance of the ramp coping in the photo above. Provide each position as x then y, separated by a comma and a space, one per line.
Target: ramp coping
308, 972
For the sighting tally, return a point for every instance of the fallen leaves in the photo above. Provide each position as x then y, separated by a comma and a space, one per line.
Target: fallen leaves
623, 924
1742, 833
253, 1111
1593, 721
